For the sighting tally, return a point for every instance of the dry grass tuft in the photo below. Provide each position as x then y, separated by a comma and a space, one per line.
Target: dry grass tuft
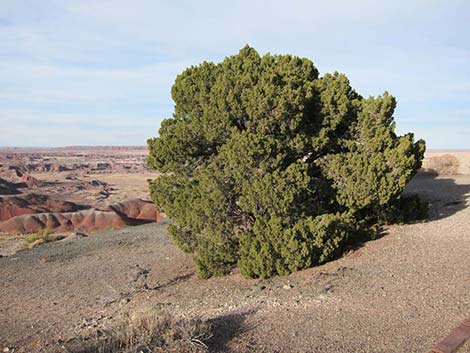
150, 331
445, 164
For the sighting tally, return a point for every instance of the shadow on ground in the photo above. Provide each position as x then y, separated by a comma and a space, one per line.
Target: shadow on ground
226, 328
443, 193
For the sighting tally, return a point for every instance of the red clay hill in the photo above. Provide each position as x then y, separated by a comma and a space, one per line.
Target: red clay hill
61, 189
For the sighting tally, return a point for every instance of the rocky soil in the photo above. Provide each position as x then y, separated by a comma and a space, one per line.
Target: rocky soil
400, 293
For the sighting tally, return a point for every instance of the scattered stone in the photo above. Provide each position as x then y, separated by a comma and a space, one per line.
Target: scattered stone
123, 302
142, 349
258, 286
328, 288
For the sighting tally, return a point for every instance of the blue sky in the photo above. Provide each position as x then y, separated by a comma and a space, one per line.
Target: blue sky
99, 72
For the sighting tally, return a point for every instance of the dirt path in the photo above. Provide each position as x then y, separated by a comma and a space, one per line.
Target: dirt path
400, 293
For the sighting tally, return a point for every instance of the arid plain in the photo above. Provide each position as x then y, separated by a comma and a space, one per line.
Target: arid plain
107, 255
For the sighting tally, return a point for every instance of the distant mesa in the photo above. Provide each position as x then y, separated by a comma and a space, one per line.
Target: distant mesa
8, 188
31, 181
47, 168
11, 173
17, 176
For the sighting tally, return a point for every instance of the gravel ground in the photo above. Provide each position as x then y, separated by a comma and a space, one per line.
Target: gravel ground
400, 293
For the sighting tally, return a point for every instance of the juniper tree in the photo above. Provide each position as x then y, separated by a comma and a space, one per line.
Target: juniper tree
269, 167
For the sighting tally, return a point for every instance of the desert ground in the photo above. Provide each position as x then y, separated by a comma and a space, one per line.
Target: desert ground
400, 293
62, 190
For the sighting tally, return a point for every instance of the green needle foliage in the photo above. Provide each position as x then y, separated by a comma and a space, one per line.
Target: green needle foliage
271, 168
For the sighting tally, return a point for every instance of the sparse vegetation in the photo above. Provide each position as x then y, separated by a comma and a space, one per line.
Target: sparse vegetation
150, 331
446, 164
39, 238
269, 167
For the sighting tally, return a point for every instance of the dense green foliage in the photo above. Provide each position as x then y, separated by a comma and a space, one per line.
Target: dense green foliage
271, 168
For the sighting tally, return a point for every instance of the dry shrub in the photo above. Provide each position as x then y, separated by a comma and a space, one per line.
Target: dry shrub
446, 164
150, 331
39, 238
42, 237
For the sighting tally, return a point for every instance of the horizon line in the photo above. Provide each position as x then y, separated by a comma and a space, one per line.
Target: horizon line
145, 146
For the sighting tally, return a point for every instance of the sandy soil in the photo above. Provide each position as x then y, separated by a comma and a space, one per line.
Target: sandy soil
400, 293
121, 187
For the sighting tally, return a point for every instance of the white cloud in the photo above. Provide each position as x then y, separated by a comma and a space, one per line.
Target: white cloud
26, 128
26, 82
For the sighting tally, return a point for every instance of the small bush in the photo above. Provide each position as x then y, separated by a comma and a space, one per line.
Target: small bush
39, 238
446, 164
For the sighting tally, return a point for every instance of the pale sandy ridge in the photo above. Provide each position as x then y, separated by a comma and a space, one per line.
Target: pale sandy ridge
462, 156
